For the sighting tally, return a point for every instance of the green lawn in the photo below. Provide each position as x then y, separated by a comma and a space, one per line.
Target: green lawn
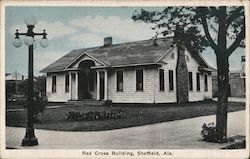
135, 115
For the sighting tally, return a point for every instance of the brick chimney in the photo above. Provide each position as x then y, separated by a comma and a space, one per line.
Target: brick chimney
181, 67
107, 41
181, 75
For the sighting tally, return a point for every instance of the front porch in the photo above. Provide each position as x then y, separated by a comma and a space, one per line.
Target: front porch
87, 83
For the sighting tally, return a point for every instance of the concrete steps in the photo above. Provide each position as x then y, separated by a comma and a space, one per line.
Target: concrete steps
91, 102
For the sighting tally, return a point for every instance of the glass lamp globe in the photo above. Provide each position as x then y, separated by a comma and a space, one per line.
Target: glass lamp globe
28, 40
44, 42
17, 42
30, 20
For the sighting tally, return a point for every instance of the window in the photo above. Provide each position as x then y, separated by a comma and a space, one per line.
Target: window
190, 80
171, 80
119, 80
67, 83
161, 77
139, 80
53, 84
205, 81
198, 82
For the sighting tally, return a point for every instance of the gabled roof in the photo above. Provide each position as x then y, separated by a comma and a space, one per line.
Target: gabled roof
124, 54
63, 62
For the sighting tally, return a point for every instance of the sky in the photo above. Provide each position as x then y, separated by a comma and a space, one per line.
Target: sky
70, 28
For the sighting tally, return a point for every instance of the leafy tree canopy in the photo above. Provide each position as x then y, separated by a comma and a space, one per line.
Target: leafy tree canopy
203, 26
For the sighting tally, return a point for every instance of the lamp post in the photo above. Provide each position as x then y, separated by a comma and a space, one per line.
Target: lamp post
30, 139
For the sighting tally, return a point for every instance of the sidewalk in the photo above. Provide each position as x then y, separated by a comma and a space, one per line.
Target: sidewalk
179, 134
48, 107
230, 99
233, 99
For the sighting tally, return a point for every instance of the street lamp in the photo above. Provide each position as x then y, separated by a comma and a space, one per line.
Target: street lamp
30, 139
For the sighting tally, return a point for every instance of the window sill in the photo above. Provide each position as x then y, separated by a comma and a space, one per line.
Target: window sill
119, 90
139, 90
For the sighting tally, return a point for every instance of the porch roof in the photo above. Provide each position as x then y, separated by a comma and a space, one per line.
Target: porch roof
124, 54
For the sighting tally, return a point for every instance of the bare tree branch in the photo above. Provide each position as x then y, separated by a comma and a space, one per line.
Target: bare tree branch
236, 43
208, 36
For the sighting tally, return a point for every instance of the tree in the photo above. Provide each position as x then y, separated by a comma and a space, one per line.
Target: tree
221, 28
40, 98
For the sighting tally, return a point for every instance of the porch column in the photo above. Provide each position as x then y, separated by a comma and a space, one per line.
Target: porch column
70, 86
97, 85
105, 85
76, 86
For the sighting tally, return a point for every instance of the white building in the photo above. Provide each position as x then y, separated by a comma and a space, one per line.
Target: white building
149, 71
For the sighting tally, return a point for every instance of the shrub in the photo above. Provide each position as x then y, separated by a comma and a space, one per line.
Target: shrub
93, 115
40, 102
209, 132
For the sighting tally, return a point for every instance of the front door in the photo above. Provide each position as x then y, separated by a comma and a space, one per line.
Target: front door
83, 85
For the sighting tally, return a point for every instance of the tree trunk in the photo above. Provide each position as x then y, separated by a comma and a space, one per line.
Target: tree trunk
223, 83
222, 75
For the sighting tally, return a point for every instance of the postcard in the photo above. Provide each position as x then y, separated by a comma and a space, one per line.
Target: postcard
125, 79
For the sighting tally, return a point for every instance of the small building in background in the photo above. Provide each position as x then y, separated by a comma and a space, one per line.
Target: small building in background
14, 85
237, 82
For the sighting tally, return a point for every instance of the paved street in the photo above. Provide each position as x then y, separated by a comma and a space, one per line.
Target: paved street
176, 134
